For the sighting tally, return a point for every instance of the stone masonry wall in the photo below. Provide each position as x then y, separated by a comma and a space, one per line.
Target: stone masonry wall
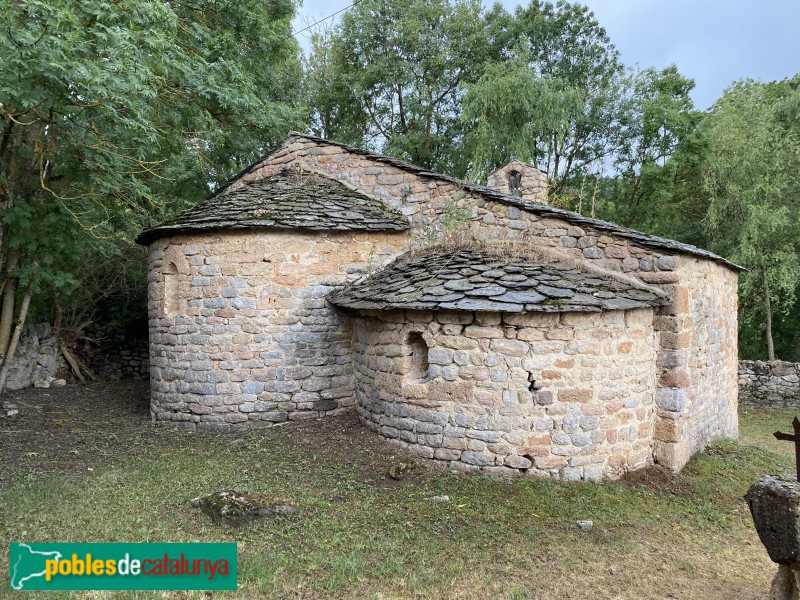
122, 358
424, 200
532, 184
37, 359
697, 395
769, 383
251, 340
568, 396
699, 288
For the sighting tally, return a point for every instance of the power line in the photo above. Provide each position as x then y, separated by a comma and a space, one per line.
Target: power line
294, 33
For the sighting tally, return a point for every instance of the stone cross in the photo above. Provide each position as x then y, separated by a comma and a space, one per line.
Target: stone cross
793, 438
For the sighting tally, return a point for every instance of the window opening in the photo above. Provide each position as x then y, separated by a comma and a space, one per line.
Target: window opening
419, 357
171, 290
515, 182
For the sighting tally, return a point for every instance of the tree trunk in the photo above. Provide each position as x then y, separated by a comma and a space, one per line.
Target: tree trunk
9, 300
768, 306
23, 314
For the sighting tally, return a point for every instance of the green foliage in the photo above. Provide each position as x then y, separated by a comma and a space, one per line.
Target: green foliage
113, 112
752, 179
393, 76
557, 102
659, 116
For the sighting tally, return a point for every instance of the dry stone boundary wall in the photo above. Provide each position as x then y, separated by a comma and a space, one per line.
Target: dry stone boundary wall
37, 359
765, 383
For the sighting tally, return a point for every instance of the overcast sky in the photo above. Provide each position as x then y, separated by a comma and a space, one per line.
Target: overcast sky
713, 41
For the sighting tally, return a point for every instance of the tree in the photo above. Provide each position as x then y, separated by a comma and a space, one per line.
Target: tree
659, 116
752, 178
557, 102
391, 76
111, 109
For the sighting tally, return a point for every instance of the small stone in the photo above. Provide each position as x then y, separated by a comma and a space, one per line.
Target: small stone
58, 383
41, 383
398, 471
667, 263
585, 524
440, 499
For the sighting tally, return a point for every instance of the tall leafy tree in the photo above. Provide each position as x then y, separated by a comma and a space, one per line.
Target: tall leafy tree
752, 178
393, 76
113, 108
557, 102
659, 116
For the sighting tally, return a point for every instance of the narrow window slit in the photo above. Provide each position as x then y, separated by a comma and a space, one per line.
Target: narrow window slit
419, 357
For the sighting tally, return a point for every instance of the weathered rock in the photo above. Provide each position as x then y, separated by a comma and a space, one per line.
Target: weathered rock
232, 507
585, 524
36, 359
399, 470
440, 499
769, 383
775, 506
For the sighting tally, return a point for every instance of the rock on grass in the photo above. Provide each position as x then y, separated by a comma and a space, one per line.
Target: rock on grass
232, 507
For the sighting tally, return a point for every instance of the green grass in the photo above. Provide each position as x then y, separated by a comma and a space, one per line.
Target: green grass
359, 535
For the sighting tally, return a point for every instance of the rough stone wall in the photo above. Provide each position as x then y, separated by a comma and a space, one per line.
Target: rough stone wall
122, 358
37, 359
701, 320
425, 200
698, 394
568, 396
687, 365
250, 340
532, 184
769, 383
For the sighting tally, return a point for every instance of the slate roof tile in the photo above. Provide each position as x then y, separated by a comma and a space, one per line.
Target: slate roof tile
285, 201
637, 237
440, 280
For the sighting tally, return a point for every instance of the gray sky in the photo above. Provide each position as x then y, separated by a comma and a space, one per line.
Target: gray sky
713, 41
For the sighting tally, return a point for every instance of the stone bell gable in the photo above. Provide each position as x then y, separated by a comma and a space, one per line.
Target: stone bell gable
292, 293
519, 179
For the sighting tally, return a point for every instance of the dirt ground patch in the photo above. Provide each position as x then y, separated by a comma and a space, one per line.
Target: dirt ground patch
656, 478
78, 428
71, 429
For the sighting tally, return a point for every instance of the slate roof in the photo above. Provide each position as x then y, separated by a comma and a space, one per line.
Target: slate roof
285, 200
480, 280
639, 238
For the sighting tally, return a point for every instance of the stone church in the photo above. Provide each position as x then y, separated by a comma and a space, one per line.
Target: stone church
472, 325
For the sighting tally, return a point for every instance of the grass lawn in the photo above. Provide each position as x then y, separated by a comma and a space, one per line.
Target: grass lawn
85, 465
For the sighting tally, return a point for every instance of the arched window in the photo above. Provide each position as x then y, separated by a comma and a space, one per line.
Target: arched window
419, 357
171, 300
